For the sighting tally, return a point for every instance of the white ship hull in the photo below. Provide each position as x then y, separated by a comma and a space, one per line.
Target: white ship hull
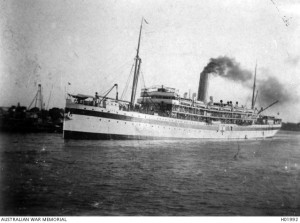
87, 122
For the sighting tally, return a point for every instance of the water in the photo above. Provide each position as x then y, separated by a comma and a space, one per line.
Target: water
41, 174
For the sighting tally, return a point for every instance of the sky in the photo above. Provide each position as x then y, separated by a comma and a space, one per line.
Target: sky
92, 44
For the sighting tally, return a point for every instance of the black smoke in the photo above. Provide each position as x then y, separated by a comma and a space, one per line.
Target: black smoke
269, 88
228, 68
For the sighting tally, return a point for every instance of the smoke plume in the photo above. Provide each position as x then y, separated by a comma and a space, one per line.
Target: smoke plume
227, 68
269, 89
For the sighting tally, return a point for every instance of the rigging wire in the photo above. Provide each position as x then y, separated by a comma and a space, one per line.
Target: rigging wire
116, 69
116, 76
33, 101
143, 79
127, 82
105, 92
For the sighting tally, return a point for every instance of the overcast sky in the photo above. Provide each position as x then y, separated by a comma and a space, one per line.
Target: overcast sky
92, 45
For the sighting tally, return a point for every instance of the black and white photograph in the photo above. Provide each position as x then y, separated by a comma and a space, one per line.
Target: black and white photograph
149, 108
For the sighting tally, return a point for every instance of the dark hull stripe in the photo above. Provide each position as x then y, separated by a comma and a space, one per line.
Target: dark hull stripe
158, 122
90, 135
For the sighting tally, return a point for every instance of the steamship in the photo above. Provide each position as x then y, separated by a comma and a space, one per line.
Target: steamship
161, 113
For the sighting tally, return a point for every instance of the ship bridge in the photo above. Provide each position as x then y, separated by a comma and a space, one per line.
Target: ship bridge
158, 94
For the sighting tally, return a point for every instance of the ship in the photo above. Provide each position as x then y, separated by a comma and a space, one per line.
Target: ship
32, 119
161, 113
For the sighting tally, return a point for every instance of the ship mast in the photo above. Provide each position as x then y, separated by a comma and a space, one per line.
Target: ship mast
254, 85
137, 66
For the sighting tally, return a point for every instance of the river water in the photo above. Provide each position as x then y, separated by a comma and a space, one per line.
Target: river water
42, 174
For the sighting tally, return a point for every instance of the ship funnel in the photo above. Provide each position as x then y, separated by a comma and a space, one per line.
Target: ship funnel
203, 85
